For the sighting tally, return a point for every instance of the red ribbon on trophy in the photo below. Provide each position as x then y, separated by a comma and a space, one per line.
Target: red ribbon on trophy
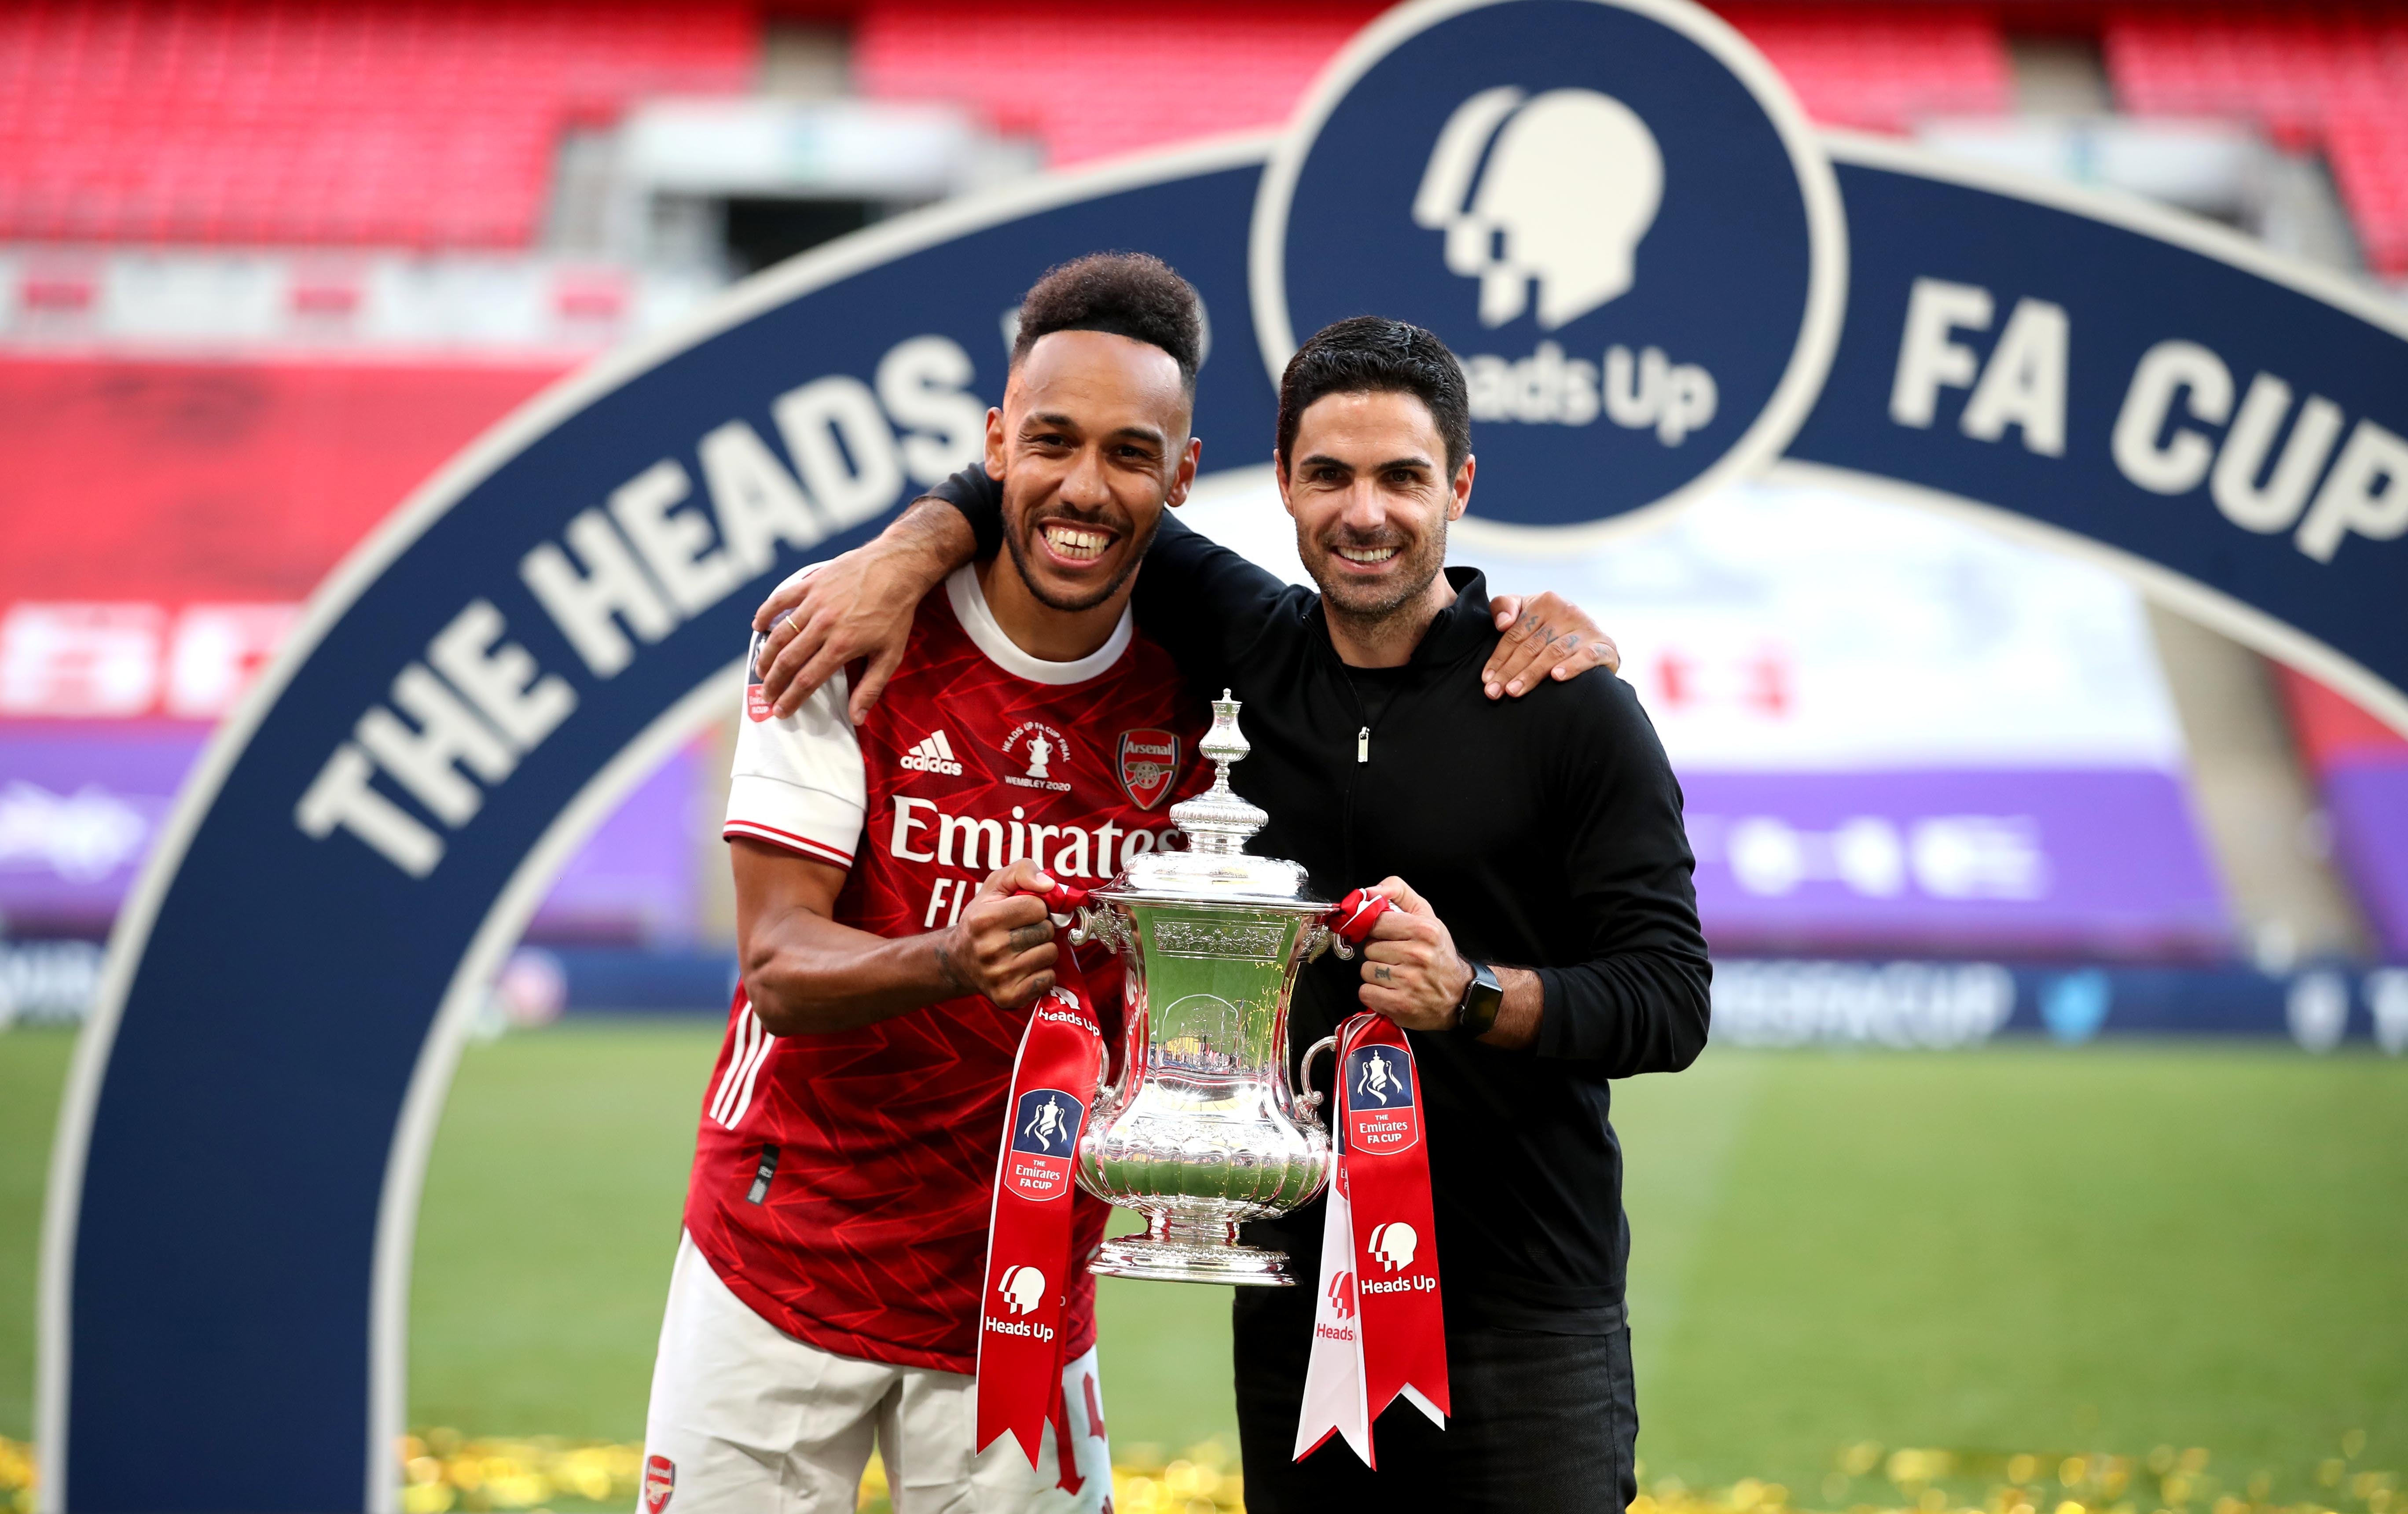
1021, 1337
1379, 1327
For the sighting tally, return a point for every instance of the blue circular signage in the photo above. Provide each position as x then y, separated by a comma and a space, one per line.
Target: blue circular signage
1611, 209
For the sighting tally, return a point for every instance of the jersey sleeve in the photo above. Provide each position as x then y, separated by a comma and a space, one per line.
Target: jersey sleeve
797, 781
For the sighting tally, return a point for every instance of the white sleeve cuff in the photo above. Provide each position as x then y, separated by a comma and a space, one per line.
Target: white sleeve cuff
824, 827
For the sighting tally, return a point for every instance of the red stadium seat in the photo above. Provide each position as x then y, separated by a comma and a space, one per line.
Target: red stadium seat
423, 123
1085, 76
1882, 67
2334, 79
432, 122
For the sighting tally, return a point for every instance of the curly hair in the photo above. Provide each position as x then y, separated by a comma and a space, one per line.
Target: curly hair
1132, 295
1373, 354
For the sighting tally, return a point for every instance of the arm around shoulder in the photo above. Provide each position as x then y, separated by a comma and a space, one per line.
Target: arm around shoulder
1205, 604
857, 608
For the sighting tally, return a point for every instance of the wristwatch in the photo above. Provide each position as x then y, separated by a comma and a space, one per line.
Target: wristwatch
1477, 1014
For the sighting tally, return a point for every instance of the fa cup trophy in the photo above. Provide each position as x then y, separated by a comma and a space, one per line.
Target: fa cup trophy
1200, 1131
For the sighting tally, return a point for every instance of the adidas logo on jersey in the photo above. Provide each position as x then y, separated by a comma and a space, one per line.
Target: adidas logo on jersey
934, 755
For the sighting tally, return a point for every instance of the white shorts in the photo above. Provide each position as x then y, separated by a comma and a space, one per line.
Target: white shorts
751, 1420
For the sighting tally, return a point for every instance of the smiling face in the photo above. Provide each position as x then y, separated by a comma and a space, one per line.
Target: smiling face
1091, 444
1369, 486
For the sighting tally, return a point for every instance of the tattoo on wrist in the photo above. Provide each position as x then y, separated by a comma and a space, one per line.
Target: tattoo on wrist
945, 968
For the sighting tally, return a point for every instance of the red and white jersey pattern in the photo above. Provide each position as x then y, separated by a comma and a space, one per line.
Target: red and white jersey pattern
842, 1182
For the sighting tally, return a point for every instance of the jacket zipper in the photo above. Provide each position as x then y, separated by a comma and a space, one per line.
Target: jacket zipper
1362, 735
1362, 753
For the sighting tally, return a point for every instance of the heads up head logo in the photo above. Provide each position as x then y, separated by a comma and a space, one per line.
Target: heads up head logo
1611, 209
1022, 1288
1496, 186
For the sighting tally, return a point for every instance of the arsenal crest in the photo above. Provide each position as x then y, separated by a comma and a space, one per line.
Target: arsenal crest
660, 1481
756, 702
1148, 762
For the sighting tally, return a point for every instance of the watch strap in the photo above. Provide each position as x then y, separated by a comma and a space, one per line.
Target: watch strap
1475, 1015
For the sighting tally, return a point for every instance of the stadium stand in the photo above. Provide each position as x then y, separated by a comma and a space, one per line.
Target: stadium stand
393, 122
2369, 153
435, 122
1085, 76
1882, 67
2360, 766
174, 483
2332, 79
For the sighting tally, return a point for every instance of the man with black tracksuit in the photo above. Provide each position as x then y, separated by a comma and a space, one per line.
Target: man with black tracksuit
1547, 937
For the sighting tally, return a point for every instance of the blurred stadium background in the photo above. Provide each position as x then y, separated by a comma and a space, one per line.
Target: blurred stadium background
265, 265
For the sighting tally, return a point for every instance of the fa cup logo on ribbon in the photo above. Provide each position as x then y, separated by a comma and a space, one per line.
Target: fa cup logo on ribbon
1044, 1143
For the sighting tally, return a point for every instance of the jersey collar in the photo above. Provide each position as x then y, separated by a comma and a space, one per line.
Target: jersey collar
962, 591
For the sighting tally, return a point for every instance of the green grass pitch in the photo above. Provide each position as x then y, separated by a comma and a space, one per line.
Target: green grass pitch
2017, 1249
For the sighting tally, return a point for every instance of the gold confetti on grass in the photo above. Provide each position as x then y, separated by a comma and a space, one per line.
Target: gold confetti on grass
443, 1471
16, 1475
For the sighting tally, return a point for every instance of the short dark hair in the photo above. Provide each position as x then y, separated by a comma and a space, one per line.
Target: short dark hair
1132, 295
1373, 354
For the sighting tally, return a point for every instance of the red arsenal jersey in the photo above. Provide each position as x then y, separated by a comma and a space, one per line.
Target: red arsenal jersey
842, 1182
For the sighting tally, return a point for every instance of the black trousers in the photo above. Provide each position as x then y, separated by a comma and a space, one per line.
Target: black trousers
1542, 1422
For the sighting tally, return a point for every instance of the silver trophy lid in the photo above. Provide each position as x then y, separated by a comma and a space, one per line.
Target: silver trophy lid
1217, 823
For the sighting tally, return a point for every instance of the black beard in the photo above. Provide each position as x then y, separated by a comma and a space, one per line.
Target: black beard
1016, 542
1422, 564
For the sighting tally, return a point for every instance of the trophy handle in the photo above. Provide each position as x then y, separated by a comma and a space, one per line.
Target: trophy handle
1099, 922
1307, 1101
1318, 938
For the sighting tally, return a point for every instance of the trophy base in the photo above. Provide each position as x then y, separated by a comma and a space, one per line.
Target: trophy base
1169, 1261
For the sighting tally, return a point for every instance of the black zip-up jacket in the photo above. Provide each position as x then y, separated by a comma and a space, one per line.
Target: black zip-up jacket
1545, 831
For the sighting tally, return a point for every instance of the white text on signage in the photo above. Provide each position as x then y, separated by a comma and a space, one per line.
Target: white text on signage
650, 558
1649, 392
2184, 420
